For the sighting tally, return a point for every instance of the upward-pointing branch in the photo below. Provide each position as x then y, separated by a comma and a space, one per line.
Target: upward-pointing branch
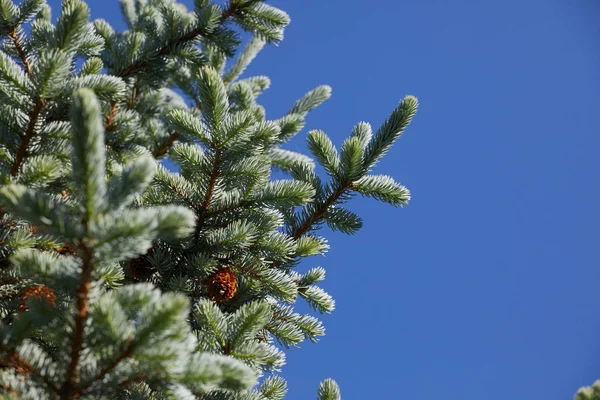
166, 49
320, 211
33, 118
67, 390
35, 112
20, 51
209, 193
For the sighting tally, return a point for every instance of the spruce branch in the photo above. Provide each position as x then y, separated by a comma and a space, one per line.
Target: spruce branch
320, 210
138, 378
213, 180
29, 133
329, 390
167, 48
126, 353
184, 197
360, 153
82, 309
18, 361
201, 216
166, 145
110, 118
20, 51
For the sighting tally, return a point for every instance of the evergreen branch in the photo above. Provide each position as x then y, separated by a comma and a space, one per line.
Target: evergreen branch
134, 379
329, 390
110, 119
35, 114
184, 198
213, 180
320, 211
7, 389
67, 389
166, 145
209, 193
248, 270
166, 49
104, 371
233, 207
26, 366
20, 51
172, 185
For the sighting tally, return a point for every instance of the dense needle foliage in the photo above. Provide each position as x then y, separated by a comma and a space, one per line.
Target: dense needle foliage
120, 278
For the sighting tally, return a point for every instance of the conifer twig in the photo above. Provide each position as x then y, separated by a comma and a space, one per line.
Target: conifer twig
104, 371
17, 360
209, 193
319, 212
33, 118
213, 180
35, 112
138, 378
163, 51
82, 303
166, 145
110, 118
20, 50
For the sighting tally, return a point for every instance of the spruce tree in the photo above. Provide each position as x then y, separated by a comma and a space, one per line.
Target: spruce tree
122, 279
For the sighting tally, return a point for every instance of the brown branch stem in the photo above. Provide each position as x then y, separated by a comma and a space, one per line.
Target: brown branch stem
33, 118
209, 193
213, 180
110, 119
82, 303
166, 145
20, 51
320, 211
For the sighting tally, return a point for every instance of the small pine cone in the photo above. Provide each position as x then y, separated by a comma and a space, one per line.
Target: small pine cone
221, 285
33, 230
141, 268
39, 292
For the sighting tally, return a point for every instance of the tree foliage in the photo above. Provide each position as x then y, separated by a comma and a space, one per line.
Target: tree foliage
120, 278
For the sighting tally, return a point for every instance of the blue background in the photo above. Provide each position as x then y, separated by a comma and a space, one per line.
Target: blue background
486, 285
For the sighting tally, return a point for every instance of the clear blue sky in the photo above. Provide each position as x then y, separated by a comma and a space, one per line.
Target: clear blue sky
486, 286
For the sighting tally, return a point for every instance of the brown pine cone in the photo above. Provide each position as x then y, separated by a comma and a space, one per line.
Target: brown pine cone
221, 285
